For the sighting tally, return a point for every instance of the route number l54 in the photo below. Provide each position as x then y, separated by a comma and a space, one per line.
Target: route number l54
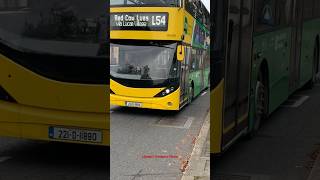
158, 20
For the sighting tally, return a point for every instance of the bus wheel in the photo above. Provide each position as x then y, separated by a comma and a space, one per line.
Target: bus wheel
261, 104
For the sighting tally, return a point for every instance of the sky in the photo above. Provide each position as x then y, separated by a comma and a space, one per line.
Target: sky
207, 4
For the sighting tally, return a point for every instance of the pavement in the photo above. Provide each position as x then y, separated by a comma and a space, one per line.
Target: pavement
152, 144
315, 172
286, 147
199, 163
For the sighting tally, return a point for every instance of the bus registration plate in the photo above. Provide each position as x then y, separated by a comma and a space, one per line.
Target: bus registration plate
75, 134
133, 104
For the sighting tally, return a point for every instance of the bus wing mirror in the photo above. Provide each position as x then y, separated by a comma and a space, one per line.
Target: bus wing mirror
180, 53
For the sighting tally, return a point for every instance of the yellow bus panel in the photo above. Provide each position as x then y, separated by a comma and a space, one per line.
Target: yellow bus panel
216, 101
145, 96
43, 103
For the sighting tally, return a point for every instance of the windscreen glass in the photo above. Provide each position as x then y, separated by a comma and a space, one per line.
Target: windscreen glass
143, 61
60, 27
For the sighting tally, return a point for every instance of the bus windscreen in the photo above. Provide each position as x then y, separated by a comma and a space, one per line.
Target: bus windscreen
143, 62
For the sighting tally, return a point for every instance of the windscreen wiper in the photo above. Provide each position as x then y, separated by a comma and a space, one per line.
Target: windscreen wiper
158, 45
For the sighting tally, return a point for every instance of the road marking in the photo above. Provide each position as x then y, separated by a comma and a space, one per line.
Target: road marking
204, 93
140, 175
188, 124
173, 123
4, 158
295, 102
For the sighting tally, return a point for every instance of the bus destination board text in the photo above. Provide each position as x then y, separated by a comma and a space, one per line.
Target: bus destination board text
139, 21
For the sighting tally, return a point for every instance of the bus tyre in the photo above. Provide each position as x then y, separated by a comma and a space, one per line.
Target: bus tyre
261, 104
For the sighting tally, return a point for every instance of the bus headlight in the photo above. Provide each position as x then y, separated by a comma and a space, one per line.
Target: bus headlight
166, 91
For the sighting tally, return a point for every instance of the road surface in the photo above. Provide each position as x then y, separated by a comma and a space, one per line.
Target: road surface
284, 149
152, 144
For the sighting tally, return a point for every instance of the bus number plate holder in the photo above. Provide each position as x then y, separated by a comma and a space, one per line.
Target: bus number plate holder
75, 134
133, 104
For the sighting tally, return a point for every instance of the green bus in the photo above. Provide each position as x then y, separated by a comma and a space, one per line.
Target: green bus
263, 51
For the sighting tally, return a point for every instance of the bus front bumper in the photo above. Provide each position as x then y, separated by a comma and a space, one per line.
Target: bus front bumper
169, 102
27, 122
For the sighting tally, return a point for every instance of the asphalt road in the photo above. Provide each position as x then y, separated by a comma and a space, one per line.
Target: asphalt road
284, 149
32, 160
152, 144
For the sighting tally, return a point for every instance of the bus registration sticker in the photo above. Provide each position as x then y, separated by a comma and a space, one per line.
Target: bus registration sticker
75, 134
133, 104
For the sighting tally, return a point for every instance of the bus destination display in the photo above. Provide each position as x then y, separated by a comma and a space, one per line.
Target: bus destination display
139, 21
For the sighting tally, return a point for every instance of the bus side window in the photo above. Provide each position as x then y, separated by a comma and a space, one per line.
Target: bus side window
193, 60
189, 6
265, 15
188, 56
201, 64
198, 64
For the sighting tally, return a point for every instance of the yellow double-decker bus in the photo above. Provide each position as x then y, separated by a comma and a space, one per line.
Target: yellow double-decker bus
159, 53
53, 69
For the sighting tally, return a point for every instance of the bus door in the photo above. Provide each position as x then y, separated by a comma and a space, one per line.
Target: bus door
238, 67
218, 26
184, 76
296, 24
